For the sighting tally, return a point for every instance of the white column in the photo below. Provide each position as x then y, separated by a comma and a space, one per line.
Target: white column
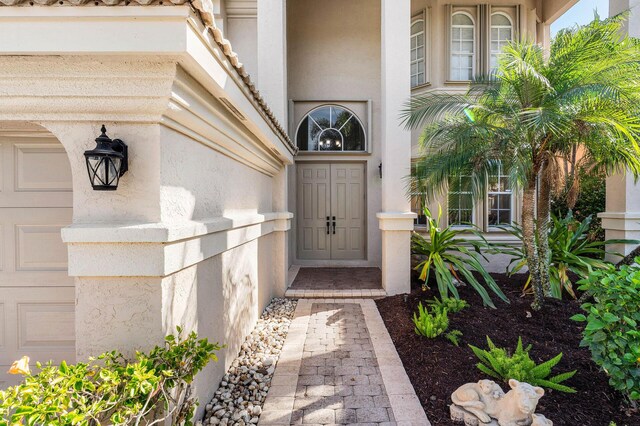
621, 220
396, 218
272, 56
272, 83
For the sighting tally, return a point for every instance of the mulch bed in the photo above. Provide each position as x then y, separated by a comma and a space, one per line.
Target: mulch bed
436, 368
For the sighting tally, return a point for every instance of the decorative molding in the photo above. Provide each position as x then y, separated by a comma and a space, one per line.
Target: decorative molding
206, 12
195, 113
163, 250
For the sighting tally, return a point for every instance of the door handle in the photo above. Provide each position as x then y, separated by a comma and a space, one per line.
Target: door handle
334, 225
328, 225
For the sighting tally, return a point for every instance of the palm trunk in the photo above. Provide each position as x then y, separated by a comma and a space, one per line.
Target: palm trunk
542, 227
529, 241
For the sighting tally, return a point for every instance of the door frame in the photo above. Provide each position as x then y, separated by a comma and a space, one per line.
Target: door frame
364, 262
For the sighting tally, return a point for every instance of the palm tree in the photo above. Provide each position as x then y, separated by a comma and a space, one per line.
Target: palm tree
535, 109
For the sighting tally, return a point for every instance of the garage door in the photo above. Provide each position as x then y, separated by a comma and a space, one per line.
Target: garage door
36, 294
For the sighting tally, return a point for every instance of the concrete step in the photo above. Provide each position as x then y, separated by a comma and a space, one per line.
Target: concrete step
335, 294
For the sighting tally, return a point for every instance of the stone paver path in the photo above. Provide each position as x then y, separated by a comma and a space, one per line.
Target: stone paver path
339, 366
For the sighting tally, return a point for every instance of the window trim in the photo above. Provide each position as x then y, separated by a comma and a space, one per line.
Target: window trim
473, 207
420, 17
365, 130
493, 228
491, 26
450, 52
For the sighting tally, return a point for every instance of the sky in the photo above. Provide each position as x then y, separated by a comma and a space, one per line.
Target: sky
581, 13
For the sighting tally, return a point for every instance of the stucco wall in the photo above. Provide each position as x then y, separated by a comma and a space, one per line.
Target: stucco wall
334, 55
200, 183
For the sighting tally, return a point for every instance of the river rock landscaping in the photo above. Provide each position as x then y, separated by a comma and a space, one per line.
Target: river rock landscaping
436, 367
243, 389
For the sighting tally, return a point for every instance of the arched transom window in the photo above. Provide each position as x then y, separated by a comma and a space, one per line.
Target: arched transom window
501, 35
462, 46
330, 128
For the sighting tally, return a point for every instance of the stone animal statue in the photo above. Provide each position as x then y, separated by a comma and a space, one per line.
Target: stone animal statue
479, 398
489, 405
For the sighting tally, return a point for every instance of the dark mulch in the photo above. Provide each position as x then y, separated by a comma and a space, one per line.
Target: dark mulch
436, 367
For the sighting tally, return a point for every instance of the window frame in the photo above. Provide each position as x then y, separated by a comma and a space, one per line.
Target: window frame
451, 52
491, 27
472, 223
420, 17
492, 228
365, 131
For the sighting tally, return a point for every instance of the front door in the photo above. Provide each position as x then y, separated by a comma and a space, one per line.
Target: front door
331, 211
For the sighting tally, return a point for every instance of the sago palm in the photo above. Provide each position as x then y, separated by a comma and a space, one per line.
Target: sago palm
534, 109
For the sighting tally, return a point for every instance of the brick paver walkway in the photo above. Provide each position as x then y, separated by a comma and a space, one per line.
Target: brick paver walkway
339, 382
339, 366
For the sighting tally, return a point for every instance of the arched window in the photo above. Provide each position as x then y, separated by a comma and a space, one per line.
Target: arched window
501, 35
417, 52
330, 128
462, 47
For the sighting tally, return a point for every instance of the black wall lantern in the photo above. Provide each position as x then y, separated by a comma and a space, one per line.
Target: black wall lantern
106, 162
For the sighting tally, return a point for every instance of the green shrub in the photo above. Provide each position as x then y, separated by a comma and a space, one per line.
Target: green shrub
498, 363
591, 201
449, 255
612, 333
111, 390
451, 304
432, 325
571, 252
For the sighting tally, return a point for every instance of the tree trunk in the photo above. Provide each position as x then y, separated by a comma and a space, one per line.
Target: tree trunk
542, 227
529, 241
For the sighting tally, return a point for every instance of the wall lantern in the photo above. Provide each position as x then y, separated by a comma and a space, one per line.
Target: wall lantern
106, 162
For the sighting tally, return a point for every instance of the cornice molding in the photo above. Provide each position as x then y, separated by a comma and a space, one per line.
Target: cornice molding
205, 11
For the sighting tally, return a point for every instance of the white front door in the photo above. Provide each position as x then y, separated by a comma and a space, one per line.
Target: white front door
331, 211
37, 299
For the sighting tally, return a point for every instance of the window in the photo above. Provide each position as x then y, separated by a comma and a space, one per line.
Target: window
501, 35
499, 199
330, 128
460, 201
418, 74
462, 47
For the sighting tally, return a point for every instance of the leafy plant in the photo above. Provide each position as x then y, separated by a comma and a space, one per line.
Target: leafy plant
612, 332
432, 325
570, 251
539, 106
109, 389
448, 255
588, 201
451, 304
500, 364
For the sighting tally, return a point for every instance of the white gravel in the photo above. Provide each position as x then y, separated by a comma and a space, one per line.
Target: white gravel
239, 399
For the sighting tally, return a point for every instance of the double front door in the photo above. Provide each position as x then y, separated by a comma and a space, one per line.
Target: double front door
331, 211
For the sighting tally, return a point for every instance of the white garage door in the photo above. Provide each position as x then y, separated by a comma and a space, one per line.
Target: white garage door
36, 294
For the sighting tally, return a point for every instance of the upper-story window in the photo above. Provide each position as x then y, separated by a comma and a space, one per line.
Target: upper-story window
331, 128
501, 35
418, 73
462, 47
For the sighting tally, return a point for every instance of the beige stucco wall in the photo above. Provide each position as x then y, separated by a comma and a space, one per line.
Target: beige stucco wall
334, 56
189, 236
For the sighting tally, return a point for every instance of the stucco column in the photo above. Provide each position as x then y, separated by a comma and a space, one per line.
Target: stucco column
396, 218
272, 83
621, 220
272, 55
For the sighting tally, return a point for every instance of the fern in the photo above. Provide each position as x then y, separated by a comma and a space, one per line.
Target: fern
434, 324
498, 363
453, 336
451, 304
